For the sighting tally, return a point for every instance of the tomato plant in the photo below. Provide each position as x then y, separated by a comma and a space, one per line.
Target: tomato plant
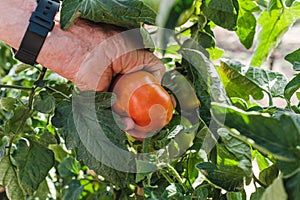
225, 134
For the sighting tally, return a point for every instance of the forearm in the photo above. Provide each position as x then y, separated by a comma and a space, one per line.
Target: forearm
63, 51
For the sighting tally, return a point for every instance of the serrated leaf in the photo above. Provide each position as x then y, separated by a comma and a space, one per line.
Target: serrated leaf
205, 80
44, 102
292, 186
68, 167
274, 25
292, 87
73, 190
223, 13
126, 13
275, 191
227, 177
266, 131
8, 103
94, 135
27, 156
241, 80
9, 179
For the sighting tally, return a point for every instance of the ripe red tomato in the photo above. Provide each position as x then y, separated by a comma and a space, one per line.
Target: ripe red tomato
141, 97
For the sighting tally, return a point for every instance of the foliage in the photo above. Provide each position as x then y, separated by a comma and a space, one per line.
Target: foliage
51, 146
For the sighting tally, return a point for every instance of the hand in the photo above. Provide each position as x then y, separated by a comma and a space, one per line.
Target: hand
81, 54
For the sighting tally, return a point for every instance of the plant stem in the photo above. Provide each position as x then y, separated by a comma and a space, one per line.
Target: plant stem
177, 177
166, 176
57, 92
30, 100
17, 87
259, 182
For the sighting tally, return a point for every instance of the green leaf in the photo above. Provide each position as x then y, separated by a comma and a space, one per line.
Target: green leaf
205, 80
147, 39
126, 13
227, 177
144, 166
59, 152
268, 175
265, 131
9, 179
12, 124
292, 186
261, 160
288, 3
234, 152
3, 144
246, 25
33, 162
236, 195
68, 167
274, 25
44, 102
241, 80
8, 103
292, 87
168, 17
73, 190
174, 191
223, 13
95, 139
257, 194
275, 191
289, 168
294, 59
43, 191
21, 67
274, 4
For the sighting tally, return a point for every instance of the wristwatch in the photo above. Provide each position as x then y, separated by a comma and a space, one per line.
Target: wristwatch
40, 24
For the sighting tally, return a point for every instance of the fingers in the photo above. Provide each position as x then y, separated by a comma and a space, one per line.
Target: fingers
139, 60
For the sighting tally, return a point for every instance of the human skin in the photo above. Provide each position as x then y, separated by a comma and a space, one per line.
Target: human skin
78, 53
88, 54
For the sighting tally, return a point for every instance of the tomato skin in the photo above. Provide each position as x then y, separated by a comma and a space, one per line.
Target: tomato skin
141, 97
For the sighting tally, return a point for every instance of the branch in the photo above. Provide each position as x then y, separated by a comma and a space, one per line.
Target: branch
17, 87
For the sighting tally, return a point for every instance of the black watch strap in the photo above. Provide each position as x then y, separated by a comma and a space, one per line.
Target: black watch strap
40, 24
